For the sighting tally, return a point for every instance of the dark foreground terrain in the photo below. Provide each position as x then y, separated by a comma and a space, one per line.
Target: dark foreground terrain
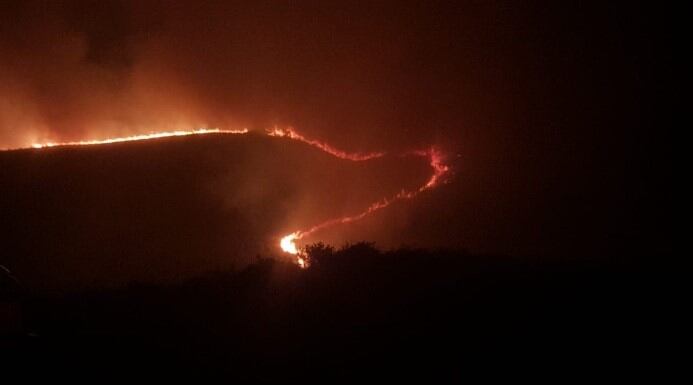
356, 314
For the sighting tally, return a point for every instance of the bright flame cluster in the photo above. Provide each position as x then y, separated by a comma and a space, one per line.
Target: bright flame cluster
287, 243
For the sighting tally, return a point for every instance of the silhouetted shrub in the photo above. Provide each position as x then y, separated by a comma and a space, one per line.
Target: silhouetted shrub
359, 249
318, 252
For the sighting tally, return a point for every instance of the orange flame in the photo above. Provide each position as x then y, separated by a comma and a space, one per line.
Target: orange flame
288, 245
292, 134
155, 135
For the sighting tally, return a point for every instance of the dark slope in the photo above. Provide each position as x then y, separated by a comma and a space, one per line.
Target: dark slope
173, 208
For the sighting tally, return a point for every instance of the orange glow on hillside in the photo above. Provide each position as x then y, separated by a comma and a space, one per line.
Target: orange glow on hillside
292, 134
155, 135
287, 243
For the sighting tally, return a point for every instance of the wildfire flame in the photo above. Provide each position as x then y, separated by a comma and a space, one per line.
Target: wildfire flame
440, 169
302, 262
292, 134
288, 242
155, 135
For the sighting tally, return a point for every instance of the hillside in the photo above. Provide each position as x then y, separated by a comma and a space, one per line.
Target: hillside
171, 209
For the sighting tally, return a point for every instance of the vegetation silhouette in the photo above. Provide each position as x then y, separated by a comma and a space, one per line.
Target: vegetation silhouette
404, 314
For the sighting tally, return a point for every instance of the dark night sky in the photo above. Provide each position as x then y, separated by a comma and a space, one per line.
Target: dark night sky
552, 112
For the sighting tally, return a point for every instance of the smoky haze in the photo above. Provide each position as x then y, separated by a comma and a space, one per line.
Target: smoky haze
546, 111
93, 69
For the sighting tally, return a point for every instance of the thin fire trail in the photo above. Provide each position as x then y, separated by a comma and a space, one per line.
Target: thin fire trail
287, 243
292, 134
439, 170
